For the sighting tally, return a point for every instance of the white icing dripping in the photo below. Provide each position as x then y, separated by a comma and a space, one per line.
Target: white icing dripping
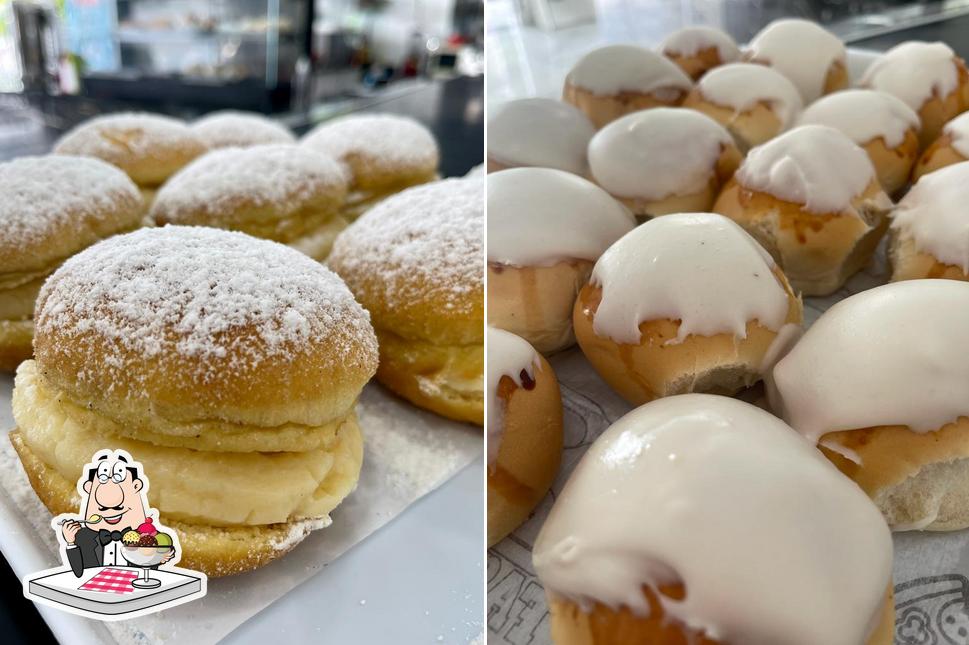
913, 72
800, 50
540, 216
742, 85
540, 132
656, 153
508, 355
677, 491
863, 116
933, 214
892, 355
699, 268
618, 68
814, 165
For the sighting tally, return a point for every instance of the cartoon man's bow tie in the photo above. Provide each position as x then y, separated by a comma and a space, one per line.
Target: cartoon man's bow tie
106, 537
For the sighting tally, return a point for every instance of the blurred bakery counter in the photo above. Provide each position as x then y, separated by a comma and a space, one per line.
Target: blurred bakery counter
452, 109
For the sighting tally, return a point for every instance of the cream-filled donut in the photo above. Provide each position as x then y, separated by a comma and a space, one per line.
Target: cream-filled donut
230, 128
51, 207
951, 147
384, 154
755, 103
929, 234
705, 520
284, 193
416, 263
538, 132
524, 431
684, 303
879, 382
803, 51
928, 77
150, 148
812, 199
230, 366
664, 160
612, 81
698, 49
879, 122
546, 228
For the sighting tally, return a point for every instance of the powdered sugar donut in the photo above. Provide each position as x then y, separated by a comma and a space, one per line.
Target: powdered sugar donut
803, 51
229, 128
279, 192
416, 262
880, 123
384, 154
51, 207
928, 77
230, 365
665, 160
150, 148
612, 81
755, 103
698, 49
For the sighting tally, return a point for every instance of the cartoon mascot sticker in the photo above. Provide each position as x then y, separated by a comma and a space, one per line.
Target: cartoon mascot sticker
118, 559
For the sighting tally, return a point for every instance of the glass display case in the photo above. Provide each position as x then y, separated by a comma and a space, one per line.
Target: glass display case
239, 53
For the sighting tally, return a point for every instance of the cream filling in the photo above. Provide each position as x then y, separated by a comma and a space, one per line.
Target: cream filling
317, 244
207, 434
17, 302
215, 488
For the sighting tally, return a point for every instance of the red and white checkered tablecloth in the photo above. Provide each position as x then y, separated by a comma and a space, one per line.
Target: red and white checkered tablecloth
112, 581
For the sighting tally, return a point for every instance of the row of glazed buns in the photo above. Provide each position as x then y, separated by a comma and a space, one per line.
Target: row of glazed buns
760, 177
162, 290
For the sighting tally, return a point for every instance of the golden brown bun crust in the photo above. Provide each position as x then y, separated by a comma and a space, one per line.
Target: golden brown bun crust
536, 302
258, 382
606, 626
416, 262
150, 148
698, 202
495, 166
698, 64
604, 109
894, 165
445, 379
70, 203
837, 78
529, 453
817, 251
15, 343
938, 155
304, 191
215, 551
915, 479
909, 263
380, 150
719, 364
749, 128
936, 112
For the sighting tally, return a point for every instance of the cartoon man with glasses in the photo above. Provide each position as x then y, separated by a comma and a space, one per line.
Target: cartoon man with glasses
114, 503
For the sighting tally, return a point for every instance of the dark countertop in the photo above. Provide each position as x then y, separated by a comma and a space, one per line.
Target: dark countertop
453, 110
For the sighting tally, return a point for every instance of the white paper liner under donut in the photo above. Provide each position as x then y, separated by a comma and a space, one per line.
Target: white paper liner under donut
408, 453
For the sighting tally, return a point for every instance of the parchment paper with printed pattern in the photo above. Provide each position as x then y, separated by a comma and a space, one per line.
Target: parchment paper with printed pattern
931, 569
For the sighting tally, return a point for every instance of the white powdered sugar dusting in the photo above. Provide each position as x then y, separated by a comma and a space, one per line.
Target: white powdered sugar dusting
230, 128
297, 531
426, 244
281, 176
387, 138
183, 291
61, 195
135, 134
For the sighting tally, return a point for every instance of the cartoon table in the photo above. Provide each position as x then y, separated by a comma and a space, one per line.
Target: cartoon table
64, 588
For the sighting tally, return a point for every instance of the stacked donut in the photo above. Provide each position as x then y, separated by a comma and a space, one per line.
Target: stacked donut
230, 365
760, 176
